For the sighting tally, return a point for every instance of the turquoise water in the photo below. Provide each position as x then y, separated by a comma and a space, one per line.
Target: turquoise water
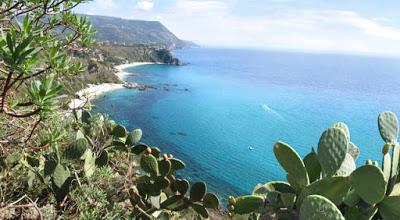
211, 111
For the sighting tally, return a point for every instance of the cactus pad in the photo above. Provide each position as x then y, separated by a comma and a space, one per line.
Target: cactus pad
60, 175
90, 163
119, 131
312, 166
353, 150
386, 166
182, 186
343, 127
395, 167
76, 150
149, 164
133, 137
210, 201
288, 199
369, 183
164, 166
333, 188
176, 164
361, 214
291, 163
102, 160
389, 208
139, 148
199, 209
347, 167
317, 207
85, 117
332, 149
352, 199
275, 186
248, 204
198, 191
388, 126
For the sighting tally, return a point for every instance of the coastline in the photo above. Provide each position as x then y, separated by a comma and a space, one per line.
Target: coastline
93, 91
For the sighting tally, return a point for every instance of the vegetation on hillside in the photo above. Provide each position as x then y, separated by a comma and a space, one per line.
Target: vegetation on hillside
56, 164
120, 31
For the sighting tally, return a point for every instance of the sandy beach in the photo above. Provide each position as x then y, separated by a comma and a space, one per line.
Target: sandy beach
93, 91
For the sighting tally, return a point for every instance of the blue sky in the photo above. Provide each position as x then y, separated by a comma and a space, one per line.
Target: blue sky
357, 26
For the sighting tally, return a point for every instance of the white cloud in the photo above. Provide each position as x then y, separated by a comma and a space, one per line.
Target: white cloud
145, 5
333, 30
192, 7
105, 4
369, 26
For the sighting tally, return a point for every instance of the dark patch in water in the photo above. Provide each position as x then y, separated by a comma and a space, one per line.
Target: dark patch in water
181, 133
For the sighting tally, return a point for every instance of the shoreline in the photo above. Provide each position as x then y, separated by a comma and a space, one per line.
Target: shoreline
93, 91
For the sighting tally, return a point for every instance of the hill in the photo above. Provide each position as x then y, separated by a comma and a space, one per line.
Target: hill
120, 31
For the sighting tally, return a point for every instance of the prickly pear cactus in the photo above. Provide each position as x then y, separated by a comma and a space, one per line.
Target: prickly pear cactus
347, 167
164, 166
200, 209
353, 150
343, 127
247, 204
312, 166
333, 188
149, 164
386, 166
332, 149
315, 207
388, 126
292, 163
198, 191
133, 137
395, 167
369, 183
119, 131
362, 214
210, 201
389, 208
181, 186
60, 175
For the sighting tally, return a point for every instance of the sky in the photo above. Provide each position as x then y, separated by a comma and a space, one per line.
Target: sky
356, 26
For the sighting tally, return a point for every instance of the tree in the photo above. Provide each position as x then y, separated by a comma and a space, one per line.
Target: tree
36, 37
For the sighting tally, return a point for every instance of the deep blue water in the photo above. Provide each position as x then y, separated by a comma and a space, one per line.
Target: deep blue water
210, 111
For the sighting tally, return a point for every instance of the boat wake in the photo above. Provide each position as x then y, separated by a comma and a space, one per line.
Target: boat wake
268, 109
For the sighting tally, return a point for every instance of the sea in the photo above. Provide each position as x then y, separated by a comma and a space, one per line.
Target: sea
222, 111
